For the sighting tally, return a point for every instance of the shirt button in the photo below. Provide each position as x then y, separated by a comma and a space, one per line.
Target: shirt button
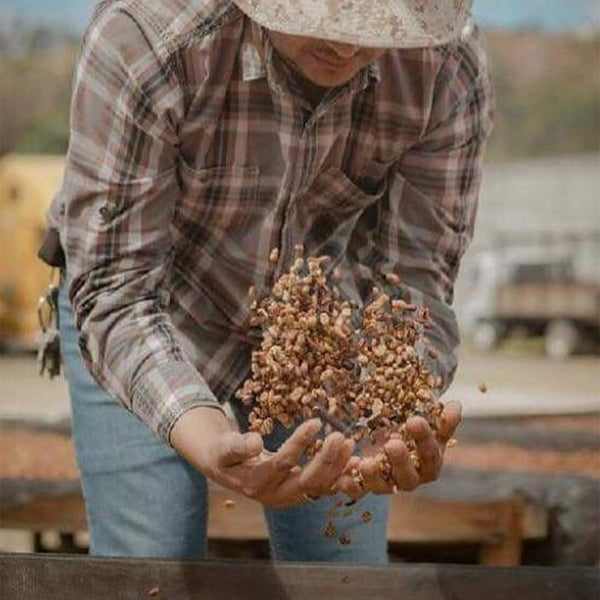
105, 213
204, 177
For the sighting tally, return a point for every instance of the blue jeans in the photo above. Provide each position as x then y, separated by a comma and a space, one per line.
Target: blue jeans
143, 500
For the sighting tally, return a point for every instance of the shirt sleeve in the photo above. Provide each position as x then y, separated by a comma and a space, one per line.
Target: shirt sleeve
119, 193
426, 221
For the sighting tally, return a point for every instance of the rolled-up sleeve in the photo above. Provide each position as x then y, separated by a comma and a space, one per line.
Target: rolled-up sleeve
426, 221
119, 194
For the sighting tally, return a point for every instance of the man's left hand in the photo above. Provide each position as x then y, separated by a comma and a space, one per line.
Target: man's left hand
405, 475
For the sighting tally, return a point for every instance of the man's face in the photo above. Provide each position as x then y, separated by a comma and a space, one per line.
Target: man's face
322, 62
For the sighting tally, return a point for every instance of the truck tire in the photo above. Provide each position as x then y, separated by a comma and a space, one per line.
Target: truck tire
487, 335
562, 339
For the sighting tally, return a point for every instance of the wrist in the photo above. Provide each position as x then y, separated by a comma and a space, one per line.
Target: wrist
195, 432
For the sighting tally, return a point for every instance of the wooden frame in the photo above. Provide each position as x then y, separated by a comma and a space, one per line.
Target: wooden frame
31, 577
499, 527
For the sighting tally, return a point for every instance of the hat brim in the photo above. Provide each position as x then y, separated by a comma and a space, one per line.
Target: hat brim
370, 23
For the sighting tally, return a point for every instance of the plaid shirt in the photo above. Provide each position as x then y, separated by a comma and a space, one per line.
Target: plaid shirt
194, 153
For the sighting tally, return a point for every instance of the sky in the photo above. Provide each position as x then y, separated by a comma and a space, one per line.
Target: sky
545, 14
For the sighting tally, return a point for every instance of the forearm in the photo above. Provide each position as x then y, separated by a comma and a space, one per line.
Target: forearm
130, 346
195, 434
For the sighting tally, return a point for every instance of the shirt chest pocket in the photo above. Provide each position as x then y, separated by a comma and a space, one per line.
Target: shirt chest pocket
333, 191
324, 217
217, 202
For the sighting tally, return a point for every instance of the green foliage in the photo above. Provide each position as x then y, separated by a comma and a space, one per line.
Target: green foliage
35, 99
547, 86
48, 134
548, 95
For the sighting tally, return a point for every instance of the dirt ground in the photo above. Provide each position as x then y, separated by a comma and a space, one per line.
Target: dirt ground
26, 395
519, 381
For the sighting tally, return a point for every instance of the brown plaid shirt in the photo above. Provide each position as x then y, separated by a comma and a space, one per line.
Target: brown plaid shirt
194, 153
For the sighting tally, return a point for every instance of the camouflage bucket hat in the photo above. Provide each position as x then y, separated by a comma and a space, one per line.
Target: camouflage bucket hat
375, 23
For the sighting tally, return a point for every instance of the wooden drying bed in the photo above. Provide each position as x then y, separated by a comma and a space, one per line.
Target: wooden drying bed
30, 577
45, 496
498, 527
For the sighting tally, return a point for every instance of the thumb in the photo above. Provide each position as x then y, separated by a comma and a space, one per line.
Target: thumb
235, 448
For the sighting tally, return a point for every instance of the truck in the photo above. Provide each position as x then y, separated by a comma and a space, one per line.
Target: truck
533, 291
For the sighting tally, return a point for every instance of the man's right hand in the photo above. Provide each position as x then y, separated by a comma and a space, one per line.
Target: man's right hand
205, 439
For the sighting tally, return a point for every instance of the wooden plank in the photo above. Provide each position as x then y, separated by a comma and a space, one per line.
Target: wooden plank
413, 519
418, 519
244, 521
31, 577
506, 550
534, 434
64, 513
534, 525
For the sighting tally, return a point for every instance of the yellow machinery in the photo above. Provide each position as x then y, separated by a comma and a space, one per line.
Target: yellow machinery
27, 186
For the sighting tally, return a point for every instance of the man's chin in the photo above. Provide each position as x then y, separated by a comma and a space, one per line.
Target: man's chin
329, 78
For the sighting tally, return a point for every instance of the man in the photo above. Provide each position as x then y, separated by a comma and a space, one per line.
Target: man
206, 133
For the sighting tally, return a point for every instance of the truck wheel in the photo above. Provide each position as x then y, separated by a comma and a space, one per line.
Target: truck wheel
486, 336
562, 339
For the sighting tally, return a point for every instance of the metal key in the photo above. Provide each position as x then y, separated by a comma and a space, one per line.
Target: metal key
48, 357
49, 354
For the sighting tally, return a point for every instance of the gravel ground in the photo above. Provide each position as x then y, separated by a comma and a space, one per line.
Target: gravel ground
26, 395
517, 382
521, 382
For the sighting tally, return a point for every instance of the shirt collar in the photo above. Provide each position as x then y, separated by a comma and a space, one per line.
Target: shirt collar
253, 51
374, 72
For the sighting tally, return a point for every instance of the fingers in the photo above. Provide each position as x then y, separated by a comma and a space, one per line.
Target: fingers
292, 449
449, 421
333, 465
258, 479
372, 478
328, 464
404, 473
428, 448
347, 483
234, 448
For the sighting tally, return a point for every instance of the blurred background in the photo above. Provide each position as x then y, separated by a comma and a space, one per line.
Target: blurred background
528, 296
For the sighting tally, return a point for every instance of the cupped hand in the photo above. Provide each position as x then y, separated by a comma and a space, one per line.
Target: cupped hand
240, 462
406, 474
